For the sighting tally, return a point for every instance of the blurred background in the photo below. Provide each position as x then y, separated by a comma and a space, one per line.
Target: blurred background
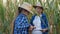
8, 13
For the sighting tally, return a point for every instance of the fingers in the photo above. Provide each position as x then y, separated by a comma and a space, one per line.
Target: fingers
44, 30
31, 28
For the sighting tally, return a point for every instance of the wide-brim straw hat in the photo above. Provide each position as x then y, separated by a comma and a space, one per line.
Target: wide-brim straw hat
26, 6
38, 4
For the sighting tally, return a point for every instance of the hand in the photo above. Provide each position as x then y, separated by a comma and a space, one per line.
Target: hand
44, 30
31, 28
34, 27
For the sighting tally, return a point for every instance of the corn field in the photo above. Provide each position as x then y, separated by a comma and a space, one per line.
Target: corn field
8, 13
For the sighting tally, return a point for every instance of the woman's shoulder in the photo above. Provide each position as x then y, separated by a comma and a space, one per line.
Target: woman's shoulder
43, 15
20, 16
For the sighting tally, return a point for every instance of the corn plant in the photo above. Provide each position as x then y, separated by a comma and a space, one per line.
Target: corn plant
9, 12
7, 16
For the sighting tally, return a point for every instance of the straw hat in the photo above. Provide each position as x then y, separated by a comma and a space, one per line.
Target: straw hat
38, 4
26, 6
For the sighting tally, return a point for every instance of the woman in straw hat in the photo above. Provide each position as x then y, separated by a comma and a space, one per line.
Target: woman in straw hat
39, 21
21, 22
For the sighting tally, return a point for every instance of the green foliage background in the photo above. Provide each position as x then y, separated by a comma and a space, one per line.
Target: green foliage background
9, 12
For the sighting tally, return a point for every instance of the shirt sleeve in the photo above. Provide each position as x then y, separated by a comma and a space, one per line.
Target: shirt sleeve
46, 21
21, 22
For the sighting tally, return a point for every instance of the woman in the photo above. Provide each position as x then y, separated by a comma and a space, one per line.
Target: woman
21, 25
39, 22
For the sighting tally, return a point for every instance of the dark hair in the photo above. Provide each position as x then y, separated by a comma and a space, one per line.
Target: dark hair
19, 10
42, 9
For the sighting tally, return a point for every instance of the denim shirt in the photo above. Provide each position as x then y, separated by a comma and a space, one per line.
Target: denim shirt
44, 22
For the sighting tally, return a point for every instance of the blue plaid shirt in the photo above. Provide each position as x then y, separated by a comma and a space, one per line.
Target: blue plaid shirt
21, 24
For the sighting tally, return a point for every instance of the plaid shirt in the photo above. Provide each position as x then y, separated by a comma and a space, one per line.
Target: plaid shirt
21, 24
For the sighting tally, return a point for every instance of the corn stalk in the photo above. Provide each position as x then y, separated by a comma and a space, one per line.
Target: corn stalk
9, 12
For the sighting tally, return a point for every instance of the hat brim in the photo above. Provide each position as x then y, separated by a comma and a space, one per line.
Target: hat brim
26, 10
38, 6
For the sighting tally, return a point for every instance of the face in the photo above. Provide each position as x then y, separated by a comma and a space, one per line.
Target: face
39, 10
26, 12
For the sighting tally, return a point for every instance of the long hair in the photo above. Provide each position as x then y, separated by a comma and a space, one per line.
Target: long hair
19, 10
